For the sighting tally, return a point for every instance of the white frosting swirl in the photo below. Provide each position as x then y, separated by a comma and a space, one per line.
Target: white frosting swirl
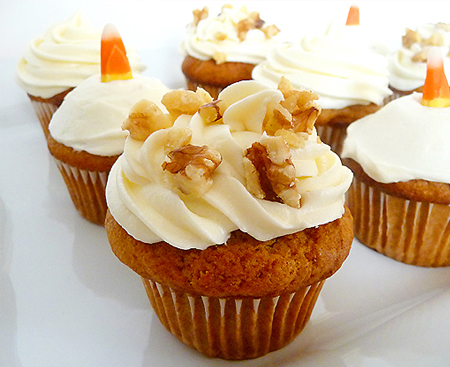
150, 209
408, 75
202, 43
91, 116
63, 57
402, 141
339, 65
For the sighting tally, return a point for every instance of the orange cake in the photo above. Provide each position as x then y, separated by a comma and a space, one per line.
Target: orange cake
343, 65
233, 216
400, 195
222, 50
58, 61
85, 135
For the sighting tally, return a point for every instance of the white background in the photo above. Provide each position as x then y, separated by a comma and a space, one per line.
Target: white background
65, 300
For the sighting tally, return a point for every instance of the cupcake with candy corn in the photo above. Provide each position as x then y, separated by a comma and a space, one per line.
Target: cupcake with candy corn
400, 157
85, 135
342, 65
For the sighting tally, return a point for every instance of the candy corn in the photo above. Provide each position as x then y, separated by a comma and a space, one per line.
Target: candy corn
114, 61
436, 92
353, 16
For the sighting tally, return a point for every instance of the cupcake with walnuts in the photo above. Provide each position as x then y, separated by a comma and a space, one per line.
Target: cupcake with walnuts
56, 62
233, 216
342, 64
223, 49
85, 135
400, 195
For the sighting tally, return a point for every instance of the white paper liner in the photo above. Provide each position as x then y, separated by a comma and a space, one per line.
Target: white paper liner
44, 111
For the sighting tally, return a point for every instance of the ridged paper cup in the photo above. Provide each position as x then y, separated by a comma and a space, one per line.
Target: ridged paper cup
87, 190
45, 108
416, 233
333, 135
233, 328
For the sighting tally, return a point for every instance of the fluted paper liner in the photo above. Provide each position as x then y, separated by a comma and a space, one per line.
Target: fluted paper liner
44, 112
87, 191
333, 135
232, 328
412, 232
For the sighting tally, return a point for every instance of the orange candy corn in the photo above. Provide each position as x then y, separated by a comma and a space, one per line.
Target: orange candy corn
353, 16
114, 61
436, 91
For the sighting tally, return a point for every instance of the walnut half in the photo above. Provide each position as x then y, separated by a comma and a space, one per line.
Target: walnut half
270, 173
190, 168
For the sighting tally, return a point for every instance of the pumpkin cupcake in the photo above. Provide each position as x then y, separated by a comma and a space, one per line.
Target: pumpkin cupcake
400, 196
85, 135
233, 217
59, 60
341, 65
224, 49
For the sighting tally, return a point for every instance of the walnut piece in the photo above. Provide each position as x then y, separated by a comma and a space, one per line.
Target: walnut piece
410, 38
270, 31
145, 118
421, 56
177, 138
270, 173
200, 14
190, 168
210, 112
219, 57
436, 39
184, 102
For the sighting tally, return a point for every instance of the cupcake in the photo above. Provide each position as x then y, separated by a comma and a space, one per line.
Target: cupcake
348, 73
400, 195
224, 49
59, 60
233, 217
85, 135
408, 65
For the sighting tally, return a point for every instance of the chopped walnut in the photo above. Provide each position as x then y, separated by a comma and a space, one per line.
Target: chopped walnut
200, 14
276, 118
243, 27
292, 139
410, 38
436, 39
421, 56
190, 168
270, 173
184, 102
219, 57
145, 118
220, 36
177, 138
210, 112
270, 31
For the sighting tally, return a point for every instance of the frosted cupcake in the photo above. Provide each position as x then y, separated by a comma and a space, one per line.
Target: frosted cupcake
341, 66
224, 49
85, 135
234, 216
400, 196
408, 65
56, 62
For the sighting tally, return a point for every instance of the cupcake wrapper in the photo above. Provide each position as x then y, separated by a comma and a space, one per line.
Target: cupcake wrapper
232, 328
44, 112
416, 233
333, 135
211, 89
87, 191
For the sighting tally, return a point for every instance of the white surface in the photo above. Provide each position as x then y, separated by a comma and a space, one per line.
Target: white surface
66, 301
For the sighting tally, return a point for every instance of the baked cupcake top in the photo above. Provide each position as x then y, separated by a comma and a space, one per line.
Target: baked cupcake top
235, 35
90, 117
340, 64
407, 65
250, 160
408, 138
67, 54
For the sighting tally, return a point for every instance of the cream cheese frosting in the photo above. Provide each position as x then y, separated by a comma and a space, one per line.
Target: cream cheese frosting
402, 141
151, 209
91, 116
217, 38
339, 64
63, 57
406, 74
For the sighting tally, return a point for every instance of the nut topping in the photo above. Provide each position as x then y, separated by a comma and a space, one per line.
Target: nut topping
200, 14
184, 102
190, 168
